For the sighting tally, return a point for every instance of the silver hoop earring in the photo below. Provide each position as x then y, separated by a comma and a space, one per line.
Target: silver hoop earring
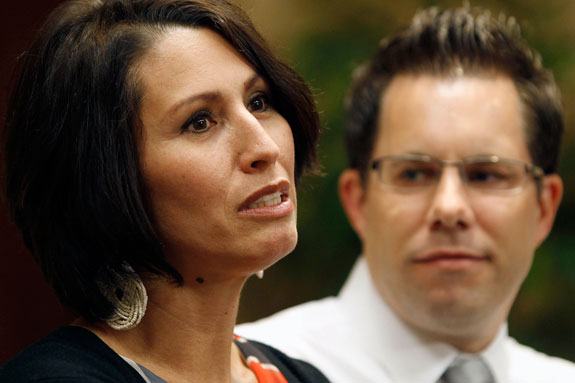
129, 297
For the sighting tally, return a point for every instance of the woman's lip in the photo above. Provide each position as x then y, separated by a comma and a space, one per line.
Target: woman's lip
275, 211
281, 186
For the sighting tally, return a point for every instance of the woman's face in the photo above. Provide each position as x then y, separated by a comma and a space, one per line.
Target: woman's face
217, 158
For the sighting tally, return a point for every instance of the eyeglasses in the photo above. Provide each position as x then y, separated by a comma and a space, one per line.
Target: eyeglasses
486, 174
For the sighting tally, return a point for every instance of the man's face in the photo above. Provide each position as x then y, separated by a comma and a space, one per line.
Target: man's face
450, 260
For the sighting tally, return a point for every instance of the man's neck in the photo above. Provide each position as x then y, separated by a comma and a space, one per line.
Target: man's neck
467, 336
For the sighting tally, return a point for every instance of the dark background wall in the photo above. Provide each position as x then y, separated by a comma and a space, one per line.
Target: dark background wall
324, 40
28, 308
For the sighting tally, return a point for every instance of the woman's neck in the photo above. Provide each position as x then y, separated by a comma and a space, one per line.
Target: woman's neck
186, 334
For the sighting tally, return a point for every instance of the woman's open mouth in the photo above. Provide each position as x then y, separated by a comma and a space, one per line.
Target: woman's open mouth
272, 201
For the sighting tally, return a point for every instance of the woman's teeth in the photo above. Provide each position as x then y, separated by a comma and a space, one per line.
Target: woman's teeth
267, 200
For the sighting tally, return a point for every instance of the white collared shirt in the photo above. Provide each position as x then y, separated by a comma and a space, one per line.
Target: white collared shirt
356, 338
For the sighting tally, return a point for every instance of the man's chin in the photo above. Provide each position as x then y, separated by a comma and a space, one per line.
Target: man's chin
452, 307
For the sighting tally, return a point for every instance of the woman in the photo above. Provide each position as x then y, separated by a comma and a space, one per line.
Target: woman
152, 149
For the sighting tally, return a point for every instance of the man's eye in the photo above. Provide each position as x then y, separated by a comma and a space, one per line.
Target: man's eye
489, 177
259, 103
488, 173
411, 174
200, 122
420, 175
482, 176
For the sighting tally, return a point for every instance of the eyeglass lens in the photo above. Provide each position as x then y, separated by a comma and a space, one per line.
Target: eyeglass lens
410, 173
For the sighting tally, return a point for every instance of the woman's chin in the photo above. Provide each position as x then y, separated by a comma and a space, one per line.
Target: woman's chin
236, 255
272, 248
287, 245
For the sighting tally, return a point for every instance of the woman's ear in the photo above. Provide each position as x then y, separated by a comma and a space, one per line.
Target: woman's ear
352, 195
549, 199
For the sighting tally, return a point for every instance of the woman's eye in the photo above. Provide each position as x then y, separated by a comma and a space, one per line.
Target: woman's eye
200, 122
259, 103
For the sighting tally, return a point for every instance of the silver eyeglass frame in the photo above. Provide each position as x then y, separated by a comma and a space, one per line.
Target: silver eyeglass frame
530, 170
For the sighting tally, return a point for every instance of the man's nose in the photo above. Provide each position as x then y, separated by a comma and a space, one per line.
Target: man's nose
450, 206
257, 149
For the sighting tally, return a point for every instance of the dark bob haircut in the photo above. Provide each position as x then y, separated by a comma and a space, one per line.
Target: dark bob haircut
445, 43
72, 170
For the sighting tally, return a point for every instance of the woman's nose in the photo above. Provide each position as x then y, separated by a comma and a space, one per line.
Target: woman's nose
258, 150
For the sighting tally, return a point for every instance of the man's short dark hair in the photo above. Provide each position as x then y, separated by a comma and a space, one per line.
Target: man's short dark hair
72, 170
444, 43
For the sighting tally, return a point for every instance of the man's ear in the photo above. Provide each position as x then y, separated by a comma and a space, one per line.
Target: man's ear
551, 193
352, 196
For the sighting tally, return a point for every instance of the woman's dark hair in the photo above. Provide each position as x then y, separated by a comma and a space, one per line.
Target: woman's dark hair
72, 170
443, 43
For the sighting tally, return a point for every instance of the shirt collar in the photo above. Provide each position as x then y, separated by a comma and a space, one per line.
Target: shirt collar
405, 355
496, 357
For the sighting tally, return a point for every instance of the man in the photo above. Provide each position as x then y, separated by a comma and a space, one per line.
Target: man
453, 135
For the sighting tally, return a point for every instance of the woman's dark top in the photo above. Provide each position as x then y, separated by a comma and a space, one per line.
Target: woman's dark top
73, 355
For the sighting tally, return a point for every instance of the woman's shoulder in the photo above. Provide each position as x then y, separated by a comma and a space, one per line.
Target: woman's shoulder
293, 370
70, 354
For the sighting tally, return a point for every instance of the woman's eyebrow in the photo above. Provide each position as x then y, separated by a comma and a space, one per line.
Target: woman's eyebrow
208, 96
251, 81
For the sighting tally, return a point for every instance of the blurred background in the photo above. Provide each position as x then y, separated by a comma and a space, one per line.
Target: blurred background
324, 40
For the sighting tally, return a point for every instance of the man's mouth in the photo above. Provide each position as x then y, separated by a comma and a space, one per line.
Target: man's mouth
451, 258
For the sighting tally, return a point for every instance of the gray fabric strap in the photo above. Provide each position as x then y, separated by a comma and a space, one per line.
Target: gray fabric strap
467, 369
147, 375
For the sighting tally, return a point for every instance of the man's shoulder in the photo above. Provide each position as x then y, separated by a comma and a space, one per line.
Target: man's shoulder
70, 354
538, 366
304, 324
319, 332
297, 319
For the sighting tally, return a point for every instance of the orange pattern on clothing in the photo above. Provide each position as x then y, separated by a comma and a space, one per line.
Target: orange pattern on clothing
264, 372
